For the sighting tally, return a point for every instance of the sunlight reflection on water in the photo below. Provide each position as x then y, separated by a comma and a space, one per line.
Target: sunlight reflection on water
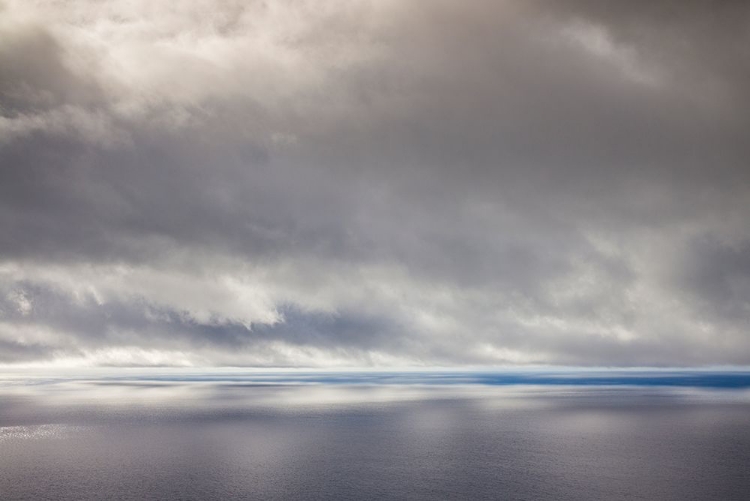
300, 438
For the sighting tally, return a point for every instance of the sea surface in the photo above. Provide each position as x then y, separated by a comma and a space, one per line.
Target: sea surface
161, 435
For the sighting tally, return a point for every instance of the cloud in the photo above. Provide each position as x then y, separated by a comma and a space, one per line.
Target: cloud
369, 183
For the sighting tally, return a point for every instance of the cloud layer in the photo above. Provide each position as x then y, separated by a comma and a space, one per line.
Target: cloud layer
368, 183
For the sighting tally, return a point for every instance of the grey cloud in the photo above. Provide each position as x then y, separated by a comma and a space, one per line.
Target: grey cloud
82, 324
717, 276
445, 183
35, 76
14, 352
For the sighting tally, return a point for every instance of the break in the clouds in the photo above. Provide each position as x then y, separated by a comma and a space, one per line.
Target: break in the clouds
367, 183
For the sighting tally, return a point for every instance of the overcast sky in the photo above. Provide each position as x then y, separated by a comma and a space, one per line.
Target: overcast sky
374, 183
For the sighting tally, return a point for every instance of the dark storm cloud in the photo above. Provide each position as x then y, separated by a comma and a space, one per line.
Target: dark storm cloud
314, 183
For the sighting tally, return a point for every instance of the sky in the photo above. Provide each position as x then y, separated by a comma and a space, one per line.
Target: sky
374, 183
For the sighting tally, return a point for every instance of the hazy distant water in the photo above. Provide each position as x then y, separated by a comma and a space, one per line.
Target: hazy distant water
385, 436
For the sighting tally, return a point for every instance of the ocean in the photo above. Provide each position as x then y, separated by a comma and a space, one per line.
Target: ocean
162, 435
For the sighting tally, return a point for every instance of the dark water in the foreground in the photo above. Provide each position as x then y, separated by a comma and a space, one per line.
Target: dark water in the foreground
218, 438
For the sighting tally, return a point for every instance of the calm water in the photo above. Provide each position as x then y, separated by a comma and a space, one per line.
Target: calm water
383, 436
